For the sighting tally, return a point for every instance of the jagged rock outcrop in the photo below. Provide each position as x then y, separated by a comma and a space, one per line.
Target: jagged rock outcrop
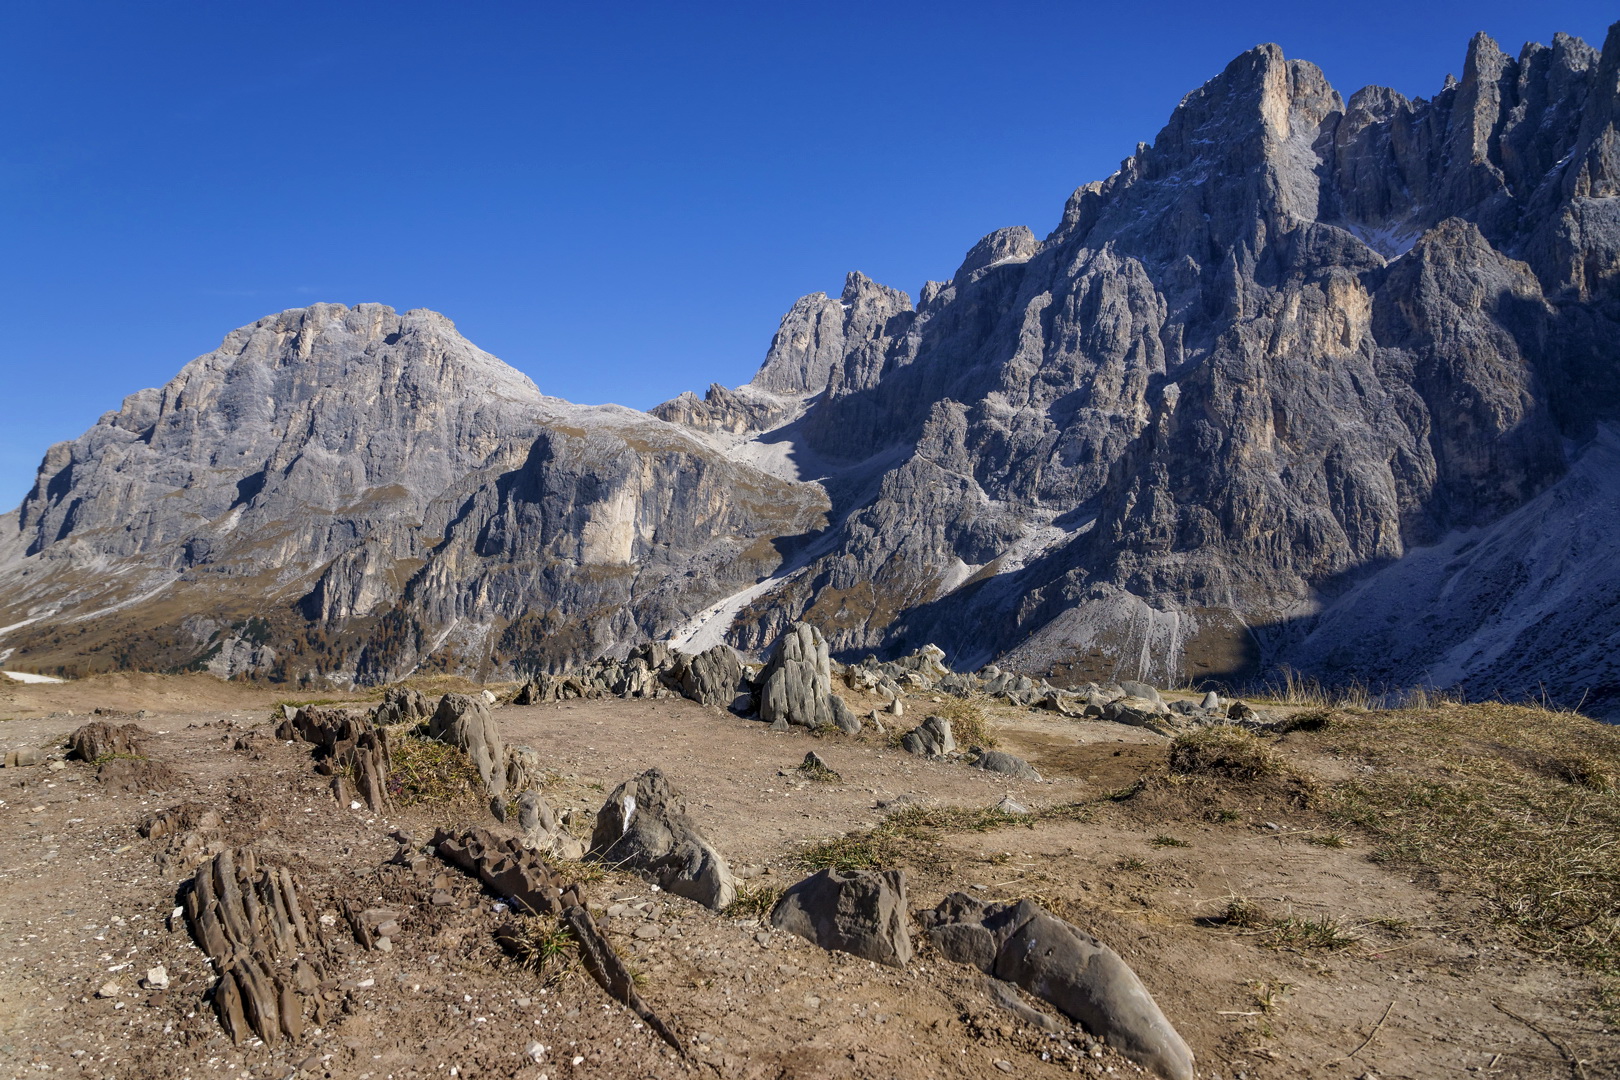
263, 943
645, 825
796, 686
402, 705
931, 738
1300, 365
715, 676
99, 740
349, 747
465, 723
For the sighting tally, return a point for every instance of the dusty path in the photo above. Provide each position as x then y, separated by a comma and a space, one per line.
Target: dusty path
84, 902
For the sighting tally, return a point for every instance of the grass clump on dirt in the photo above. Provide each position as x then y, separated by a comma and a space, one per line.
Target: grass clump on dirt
543, 943
426, 772
811, 769
1224, 750
1519, 802
1293, 932
969, 727
907, 830
1284, 932
754, 901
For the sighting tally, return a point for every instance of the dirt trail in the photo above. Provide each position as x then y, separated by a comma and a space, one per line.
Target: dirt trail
84, 902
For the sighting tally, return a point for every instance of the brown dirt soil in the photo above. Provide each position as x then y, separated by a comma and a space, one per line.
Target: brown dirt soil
1352, 967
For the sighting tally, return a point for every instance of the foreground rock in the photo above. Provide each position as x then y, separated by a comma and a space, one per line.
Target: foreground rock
1025, 944
506, 868
402, 705
796, 686
931, 738
644, 825
348, 748
254, 926
99, 740
715, 677
860, 912
465, 723
997, 761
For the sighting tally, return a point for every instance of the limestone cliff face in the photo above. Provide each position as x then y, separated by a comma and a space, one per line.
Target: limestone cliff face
1286, 345
1226, 415
347, 493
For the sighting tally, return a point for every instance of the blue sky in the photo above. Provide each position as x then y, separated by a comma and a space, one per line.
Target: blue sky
620, 200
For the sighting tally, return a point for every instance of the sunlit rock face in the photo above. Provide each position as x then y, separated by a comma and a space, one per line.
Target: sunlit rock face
1310, 382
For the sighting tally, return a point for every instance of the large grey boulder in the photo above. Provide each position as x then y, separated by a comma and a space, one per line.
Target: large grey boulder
998, 761
1136, 689
931, 738
644, 825
796, 686
716, 677
465, 723
861, 912
1135, 711
1025, 944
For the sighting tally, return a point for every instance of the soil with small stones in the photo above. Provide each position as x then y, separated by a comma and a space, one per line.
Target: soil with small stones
1426, 988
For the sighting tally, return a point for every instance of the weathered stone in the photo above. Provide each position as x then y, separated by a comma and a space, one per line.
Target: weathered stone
402, 705
644, 825
254, 927
859, 912
714, 677
1025, 944
523, 768
796, 686
1211, 702
1135, 689
348, 745
99, 740
1009, 805
998, 761
1135, 711
465, 723
931, 738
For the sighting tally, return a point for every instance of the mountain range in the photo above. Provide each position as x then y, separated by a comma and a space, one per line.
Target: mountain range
1307, 383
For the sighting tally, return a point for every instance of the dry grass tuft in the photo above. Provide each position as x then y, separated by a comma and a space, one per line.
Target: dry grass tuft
426, 772
1519, 802
1224, 750
542, 943
754, 901
969, 726
821, 774
904, 832
1293, 932
1245, 914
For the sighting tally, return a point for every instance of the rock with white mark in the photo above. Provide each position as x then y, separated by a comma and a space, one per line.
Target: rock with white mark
645, 825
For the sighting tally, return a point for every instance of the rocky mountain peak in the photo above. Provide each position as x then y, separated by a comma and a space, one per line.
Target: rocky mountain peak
1294, 375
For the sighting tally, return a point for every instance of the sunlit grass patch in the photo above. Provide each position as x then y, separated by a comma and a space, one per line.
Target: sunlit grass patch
1519, 802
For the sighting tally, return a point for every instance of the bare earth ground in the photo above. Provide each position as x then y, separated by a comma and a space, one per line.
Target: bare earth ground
1428, 987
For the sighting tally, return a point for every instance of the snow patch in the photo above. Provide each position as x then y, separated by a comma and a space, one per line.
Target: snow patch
1390, 241
30, 677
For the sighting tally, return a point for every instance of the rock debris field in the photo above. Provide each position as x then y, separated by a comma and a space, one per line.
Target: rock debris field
378, 956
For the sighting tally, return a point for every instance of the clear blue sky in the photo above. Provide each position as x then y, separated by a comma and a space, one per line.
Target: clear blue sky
618, 199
